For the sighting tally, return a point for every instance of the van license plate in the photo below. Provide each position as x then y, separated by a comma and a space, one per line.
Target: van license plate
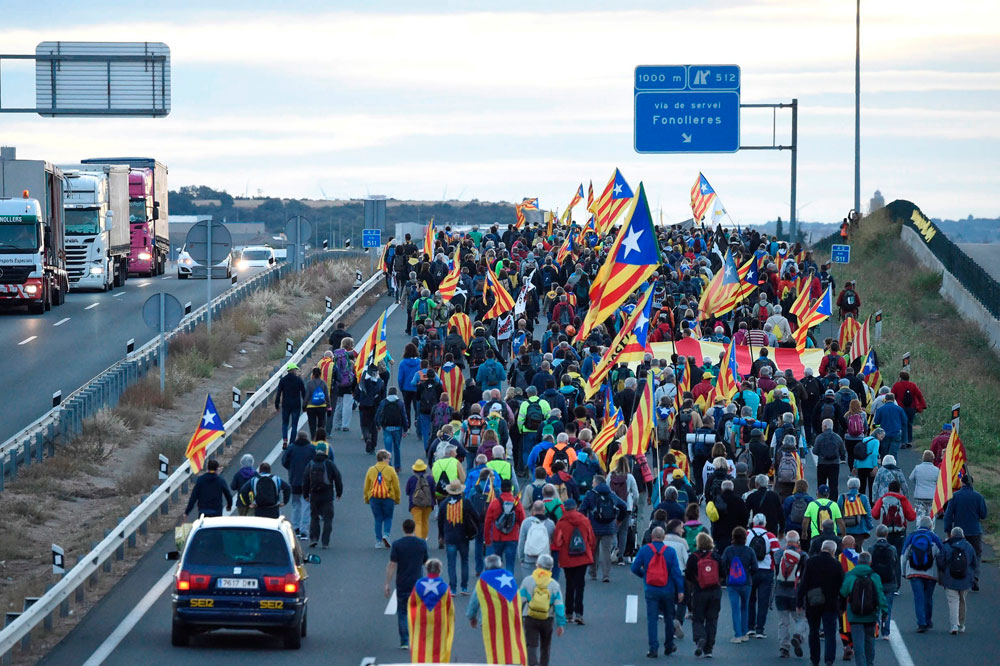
238, 583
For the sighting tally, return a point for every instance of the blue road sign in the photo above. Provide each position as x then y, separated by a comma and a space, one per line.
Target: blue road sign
687, 108
840, 254
371, 237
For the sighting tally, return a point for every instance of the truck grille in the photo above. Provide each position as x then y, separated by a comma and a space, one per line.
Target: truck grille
14, 274
76, 261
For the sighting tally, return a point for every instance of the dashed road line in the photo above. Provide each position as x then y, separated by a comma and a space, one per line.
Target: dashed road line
145, 284
120, 294
390, 608
898, 646
61, 321
92, 305
27, 340
631, 608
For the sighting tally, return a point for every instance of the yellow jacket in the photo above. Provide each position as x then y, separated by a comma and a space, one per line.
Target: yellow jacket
390, 481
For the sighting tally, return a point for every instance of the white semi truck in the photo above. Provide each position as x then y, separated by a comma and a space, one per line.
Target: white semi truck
97, 243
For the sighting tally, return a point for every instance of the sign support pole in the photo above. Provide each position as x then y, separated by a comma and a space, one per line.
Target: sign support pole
163, 345
208, 278
792, 217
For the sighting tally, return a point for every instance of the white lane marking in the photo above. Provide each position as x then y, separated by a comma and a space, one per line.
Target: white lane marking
27, 340
631, 609
898, 645
132, 619
120, 294
145, 284
61, 321
136, 614
390, 608
92, 305
166, 277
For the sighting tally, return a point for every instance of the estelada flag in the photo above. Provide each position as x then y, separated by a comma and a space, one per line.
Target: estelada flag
848, 330
429, 239
430, 615
503, 302
450, 281
453, 382
209, 429
952, 462
503, 634
461, 321
640, 431
373, 349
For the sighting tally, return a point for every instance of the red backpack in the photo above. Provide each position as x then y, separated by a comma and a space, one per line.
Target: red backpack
708, 571
656, 570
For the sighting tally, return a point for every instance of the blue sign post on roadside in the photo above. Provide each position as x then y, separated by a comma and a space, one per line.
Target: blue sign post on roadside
371, 237
840, 254
687, 108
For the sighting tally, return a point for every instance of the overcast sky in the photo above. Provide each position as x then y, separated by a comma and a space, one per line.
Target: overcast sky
459, 100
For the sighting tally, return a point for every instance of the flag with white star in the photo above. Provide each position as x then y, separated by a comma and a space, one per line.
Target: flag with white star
613, 200
503, 633
210, 428
701, 196
430, 615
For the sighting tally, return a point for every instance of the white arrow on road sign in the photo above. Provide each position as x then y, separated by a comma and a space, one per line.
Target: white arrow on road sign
686, 137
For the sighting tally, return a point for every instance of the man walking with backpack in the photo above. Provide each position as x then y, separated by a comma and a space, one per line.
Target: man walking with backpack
862, 588
318, 402
543, 608
885, 562
819, 594
343, 385
957, 563
392, 418
530, 417
295, 459
830, 453
267, 493
503, 525
369, 394
490, 374
703, 575
909, 397
575, 544
535, 538
605, 509
765, 546
321, 482
967, 509
288, 399
790, 562
819, 511
656, 563
919, 557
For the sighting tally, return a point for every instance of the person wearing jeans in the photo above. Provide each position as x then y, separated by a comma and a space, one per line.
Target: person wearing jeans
819, 593
863, 624
661, 595
288, 399
382, 494
459, 519
705, 602
739, 564
922, 580
574, 564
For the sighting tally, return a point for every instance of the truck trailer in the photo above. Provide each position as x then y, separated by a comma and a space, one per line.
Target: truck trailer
97, 228
32, 225
148, 213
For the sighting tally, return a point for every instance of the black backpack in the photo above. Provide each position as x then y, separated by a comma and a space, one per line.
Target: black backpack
577, 544
435, 352
908, 398
864, 598
861, 450
477, 350
265, 491
758, 544
318, 481
828, 411
428, 397
533, 415
561, 454
958, 563
883, 563
392, 414
481, 496
605, 511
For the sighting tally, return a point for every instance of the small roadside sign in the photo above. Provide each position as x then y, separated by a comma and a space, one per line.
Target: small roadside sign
371, 237
840, 254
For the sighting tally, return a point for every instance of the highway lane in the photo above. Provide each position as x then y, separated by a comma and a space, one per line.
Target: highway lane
986, 255
68, 346
347, 619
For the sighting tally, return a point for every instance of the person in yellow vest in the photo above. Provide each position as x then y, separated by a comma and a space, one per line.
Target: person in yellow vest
382, 495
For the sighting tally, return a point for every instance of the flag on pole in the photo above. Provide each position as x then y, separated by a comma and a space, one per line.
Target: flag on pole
800, 306
590, 197
616, 195
718, 210
818, 313
721, 287
461, 321
729, 379
870, 373
607, 434
526, 204
566, 249
430, 614
701, 196
862, 341
640, 430
453, 382
577, 197
383, 266
633, 334
952, 462
549, 216
429, 239
503, 302
450, 281
209, 429
684, 381
373, 347
503, 633
848, 329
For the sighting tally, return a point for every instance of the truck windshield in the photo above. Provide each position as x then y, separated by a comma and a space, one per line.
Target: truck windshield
256, 255
82, 221
18, 237
137, 210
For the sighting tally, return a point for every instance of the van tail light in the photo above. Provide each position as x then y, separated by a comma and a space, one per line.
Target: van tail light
287, 584
188, 582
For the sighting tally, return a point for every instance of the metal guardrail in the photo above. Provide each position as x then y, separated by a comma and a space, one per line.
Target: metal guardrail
41, 610
29, 444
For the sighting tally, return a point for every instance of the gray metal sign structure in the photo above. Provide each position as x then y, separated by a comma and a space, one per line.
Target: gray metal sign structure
162, 312
297, 228
209, 243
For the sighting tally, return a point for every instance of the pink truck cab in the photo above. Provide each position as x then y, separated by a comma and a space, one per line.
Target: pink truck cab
142, 254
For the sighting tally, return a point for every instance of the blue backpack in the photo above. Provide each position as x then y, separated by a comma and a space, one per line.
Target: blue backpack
737, 573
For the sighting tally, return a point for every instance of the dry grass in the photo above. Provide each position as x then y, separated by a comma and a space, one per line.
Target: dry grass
100, 437
145, 395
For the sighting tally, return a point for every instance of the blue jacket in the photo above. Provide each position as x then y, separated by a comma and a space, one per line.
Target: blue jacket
491, 366
407, 368
675, 579
472, 478
208, 493
537, 451
295, 458
871, 461
965, 510
944, 556
865, 523
892, 418
787, 508
589, 505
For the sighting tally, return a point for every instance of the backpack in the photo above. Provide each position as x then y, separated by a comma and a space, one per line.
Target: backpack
863, 599
708, 571
619, 484
958, 563
392, 414
577, 544
907, 398
379, 489
423, 309
318, 482
481, 497
533, 415
882, 562
399, 263
605, 511
318, 397
737, 573
850, 298
746, 458
435, 352
477, 350
691, 533
412, 294
559, 453
422, 492
811, 386
583, 474
536, 542
861, 450
788, 468
564, 315
823, 513
686, 421
789, 568
921, 552
474, 431
797, 512
507, 519
858, 511
428, 396
656, 571
540, 602
265, 491
892, 514
856, 425
342, 369
758, 544
521, 377
828, 411
828, 449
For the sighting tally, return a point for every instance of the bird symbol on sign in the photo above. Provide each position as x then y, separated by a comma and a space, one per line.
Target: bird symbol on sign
686, 137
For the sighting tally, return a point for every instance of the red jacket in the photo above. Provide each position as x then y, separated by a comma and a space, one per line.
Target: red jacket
661, 333
701, 388
899, 390
564, 532
841, 366
939, 444
491, 532
908, 511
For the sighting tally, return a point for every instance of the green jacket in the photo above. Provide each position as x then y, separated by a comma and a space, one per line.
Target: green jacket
848, 585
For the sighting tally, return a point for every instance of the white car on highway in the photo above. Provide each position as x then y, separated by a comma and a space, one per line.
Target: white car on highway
188, 267
256, 256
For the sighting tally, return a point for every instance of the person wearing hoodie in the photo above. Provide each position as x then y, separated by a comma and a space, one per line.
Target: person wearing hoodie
381, 493
886, 474
369, 394
295, 459
885, 562
605, 510
957, 562
289, 398
660, 594
863, 624
317, 401
575, 543
895, 512
856, 511
675, 539
501, 532
923, 479
321, 482
210, 492
246, 472
392, 418
919, 557
564, 483
538, 620
490, 375
409, 368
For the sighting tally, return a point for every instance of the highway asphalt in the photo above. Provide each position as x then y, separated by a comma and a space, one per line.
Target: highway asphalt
347, 619
67, 346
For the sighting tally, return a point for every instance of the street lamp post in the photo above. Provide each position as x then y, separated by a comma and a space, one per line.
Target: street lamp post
857, 110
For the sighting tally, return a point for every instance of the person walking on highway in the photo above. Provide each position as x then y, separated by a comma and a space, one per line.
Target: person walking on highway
321, 482
702, 571
406, 563
885, 562
830, 453
919, 557
420, 491
763, 543
605, 509
295, 459
267, 492
957, 563
656, 563
391, 417
208, 492
740, 564
967, 509
543, 610
909, 397
382, 495
246, 472
575, 544
318, 402
288, 399
892, 419
460, 521
862, 589
535, 538
819, 594
503, 525
369, 394
789, 563
344, 381
923, 480
530, 416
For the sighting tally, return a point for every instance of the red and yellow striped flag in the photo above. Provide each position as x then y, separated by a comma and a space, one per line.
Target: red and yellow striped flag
619, 345
729, 379
818, 313
952, 462
209, 429
862, 343
503, 633
430, 614
453, 382
577, 197
450, 281
848, 329
723, 293
800, 307
429, 239
461, 321
373, 349
503, 302
590, 197
613, 200
640, 430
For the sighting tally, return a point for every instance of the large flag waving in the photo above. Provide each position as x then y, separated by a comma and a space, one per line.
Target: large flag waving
450, 281
640, 430
729, 376
817, 314
429, 239
848, 329
373, 348
718, 294
633, 333
616, 195
862, 341
430, 614
952, 462
503, 633
634, 256
701, 196
577, 197
526, 204
461, 321
209, 429
566, 249
503, 302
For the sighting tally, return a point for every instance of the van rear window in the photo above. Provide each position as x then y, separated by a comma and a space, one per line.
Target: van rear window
237, 546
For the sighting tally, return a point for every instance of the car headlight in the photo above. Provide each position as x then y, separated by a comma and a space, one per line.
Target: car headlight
186, 261
97, 270
145, 256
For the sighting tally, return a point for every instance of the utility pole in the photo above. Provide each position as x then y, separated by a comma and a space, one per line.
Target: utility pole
857, 110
